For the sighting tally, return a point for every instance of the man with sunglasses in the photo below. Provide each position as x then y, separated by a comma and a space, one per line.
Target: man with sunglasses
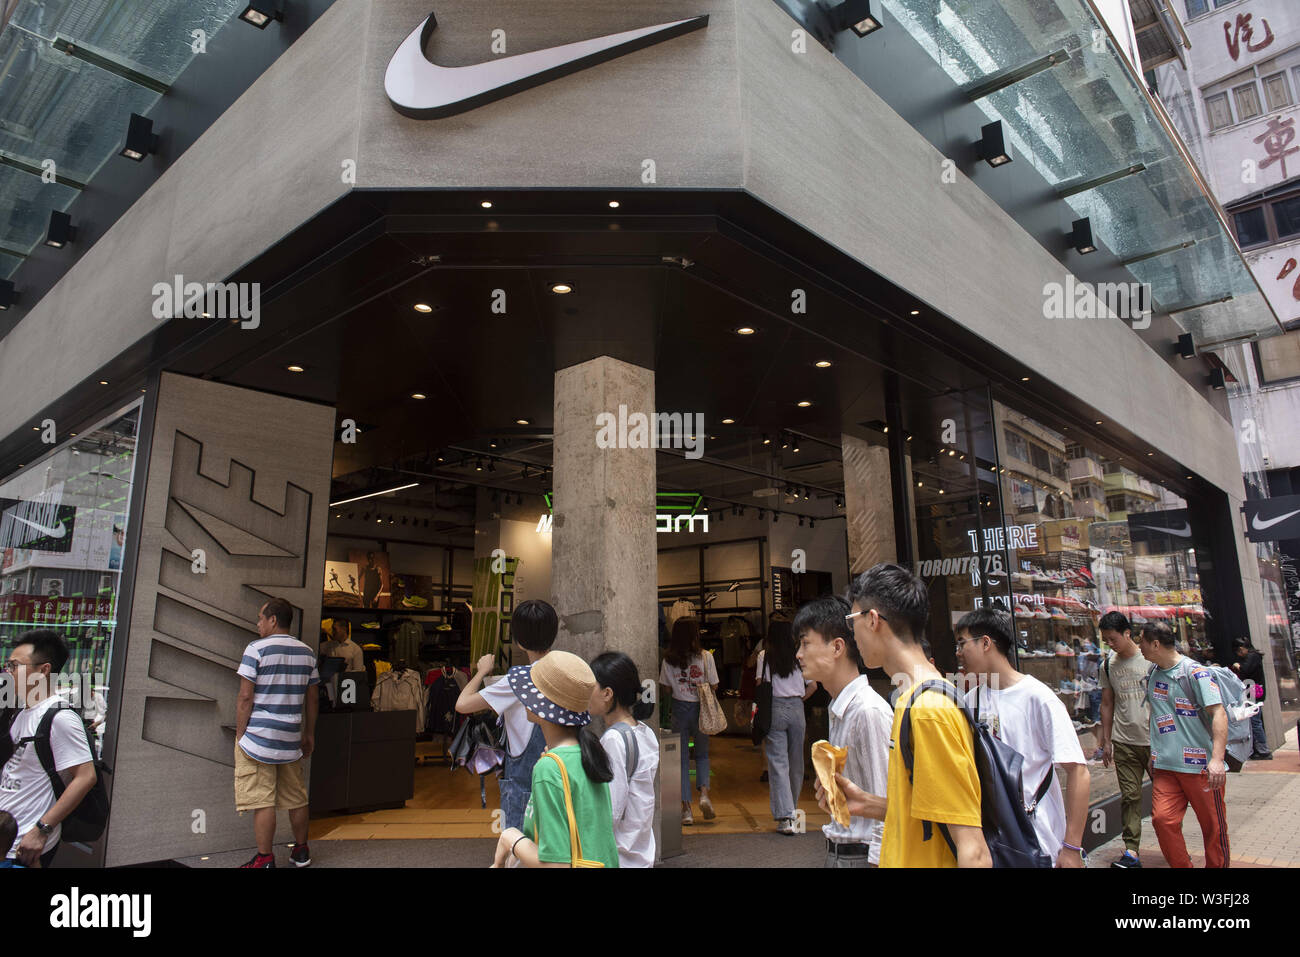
891, 609
25, 788
1027, 716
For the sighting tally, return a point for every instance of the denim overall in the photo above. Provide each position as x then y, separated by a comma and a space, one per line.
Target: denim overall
517, 779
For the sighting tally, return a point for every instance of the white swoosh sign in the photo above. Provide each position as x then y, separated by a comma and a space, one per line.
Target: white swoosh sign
1184, 532
55, 531
1260, 526
421, 89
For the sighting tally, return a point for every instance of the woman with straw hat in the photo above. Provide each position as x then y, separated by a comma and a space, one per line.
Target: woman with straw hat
569, 821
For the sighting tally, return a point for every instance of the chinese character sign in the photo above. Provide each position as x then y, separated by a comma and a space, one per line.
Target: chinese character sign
1235, 33
1277, 138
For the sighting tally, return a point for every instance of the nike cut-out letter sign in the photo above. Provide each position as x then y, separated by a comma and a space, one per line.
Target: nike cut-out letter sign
421, 89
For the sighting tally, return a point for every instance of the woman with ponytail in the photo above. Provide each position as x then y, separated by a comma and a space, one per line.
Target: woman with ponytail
570, 780
633, 750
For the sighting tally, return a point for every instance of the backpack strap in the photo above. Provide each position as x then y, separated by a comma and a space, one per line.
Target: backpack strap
1194, 693
44, 751
630, 746
1042, 789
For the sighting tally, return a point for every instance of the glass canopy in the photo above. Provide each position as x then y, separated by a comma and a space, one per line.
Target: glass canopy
66, 108
1086, 118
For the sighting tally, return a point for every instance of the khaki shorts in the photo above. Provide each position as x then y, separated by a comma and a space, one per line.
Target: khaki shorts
259, 785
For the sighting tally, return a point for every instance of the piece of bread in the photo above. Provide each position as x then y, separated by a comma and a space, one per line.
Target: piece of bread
827, 760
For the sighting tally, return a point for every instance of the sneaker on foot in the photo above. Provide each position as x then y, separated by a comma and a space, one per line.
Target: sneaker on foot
1262, 756
687, 818
260, 860
706, 808
1129, 859
785, 826
300, 855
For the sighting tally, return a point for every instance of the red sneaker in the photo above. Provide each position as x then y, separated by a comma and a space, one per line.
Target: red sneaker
260, 860
300, 855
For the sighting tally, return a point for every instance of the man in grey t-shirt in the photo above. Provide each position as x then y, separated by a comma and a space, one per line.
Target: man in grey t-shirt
1125, 726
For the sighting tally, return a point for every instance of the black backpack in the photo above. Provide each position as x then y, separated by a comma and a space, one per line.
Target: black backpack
1008, 830
88, 820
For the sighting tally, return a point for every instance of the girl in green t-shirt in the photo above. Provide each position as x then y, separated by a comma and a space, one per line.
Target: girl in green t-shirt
556, 691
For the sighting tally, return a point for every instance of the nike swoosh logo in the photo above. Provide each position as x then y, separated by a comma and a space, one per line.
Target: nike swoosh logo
1184, 532
56, 531
1260, 526
421, 89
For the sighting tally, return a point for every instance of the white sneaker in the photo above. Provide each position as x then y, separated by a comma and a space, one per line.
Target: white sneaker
687, 818
706, 808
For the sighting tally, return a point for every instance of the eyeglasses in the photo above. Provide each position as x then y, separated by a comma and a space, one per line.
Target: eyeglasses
12, 664
963, 641
848, 619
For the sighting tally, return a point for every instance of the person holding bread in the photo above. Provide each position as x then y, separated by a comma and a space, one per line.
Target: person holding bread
860, 723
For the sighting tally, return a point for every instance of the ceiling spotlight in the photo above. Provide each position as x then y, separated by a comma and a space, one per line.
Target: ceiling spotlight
920, 485
767, 440
728, 421
613, 204
915, 312
295, 368
823, 363
561, 288
418, 395
745, 331
839, 501
1081, 236
492, 444
795, 447
805, 493
478, 465
993, 147
1218, 380
1151, 453
952, 451
1024, 378
855, 15
8, 294
803, 403
1186, 346
103, 382
1098, 422
141, 140
423, 307
61, 231
522, 422
261, 12
486, 204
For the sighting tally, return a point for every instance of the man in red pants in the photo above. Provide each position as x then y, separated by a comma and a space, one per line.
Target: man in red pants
1189, 733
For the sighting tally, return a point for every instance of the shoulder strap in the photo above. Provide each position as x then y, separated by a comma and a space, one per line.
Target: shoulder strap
41, 740
630, 746
1194, 693
575, 843
1042, 789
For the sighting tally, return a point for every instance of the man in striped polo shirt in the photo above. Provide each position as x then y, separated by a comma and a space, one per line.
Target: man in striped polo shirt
275, 729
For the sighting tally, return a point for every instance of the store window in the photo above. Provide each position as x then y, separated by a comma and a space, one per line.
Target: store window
63, 523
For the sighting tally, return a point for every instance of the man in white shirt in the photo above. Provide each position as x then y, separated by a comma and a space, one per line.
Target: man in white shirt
533, 626
1028, 716
861, 722
26, 790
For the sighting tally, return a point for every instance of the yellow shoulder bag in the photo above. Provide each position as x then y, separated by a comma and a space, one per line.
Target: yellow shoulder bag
575, 843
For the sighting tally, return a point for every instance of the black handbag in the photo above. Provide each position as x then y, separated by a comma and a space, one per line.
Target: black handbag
478, 733
762, 722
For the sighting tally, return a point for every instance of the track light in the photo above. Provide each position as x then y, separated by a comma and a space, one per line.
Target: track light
61, 231
1218, 380
812, 523
855, 15
993, 146
1081, 236
767, 440
261, 12
141, 140
8, 294
1186, 346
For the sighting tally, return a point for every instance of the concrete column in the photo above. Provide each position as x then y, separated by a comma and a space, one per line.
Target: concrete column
603, 550
868, 504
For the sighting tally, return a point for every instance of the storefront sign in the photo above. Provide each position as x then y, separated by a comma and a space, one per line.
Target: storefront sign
674, 512
41, 610
421, 89
1272, 519
1012, 536
42, 526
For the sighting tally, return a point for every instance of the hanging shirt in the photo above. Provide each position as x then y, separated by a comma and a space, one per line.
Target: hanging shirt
683, 680
1029, 718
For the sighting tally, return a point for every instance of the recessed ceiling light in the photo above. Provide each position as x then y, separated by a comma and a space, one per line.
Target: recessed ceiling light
803, 403
1024, 378
823, 363
613, 204
952, 451
561, 288
745, 331
423, 307
1151, 453
103, 382
1098, 422
522, 422
486, 204
728, 421
418, 395
916, 312
295, 368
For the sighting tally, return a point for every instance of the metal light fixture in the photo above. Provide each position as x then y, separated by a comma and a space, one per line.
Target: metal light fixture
855, 15
61, 231
141, 140
993, 146
261, 12
1217, 380
1186, 346
1081, 236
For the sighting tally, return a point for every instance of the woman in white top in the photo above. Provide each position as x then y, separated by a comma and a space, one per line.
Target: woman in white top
685, 668
633, 750
784, 744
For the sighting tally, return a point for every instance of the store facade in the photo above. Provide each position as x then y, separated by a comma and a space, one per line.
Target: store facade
725, 223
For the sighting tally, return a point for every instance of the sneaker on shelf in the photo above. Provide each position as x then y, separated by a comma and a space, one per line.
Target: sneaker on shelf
260, 860
687, 818
1129, 859
300, 855
706, 807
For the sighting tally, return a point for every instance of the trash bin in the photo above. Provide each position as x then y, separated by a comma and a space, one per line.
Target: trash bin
668, 797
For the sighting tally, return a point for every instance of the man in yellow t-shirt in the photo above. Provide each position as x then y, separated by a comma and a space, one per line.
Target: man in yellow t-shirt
890, 612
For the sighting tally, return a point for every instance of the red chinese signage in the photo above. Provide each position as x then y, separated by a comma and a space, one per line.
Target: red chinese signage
42, 610
1235, 33
1277, 138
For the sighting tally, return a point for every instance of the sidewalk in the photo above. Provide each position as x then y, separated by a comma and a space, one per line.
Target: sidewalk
1263, 804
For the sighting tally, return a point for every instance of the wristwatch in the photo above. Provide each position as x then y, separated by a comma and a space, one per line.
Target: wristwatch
45, 829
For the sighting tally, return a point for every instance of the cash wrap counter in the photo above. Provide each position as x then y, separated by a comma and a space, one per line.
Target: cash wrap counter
364, 761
